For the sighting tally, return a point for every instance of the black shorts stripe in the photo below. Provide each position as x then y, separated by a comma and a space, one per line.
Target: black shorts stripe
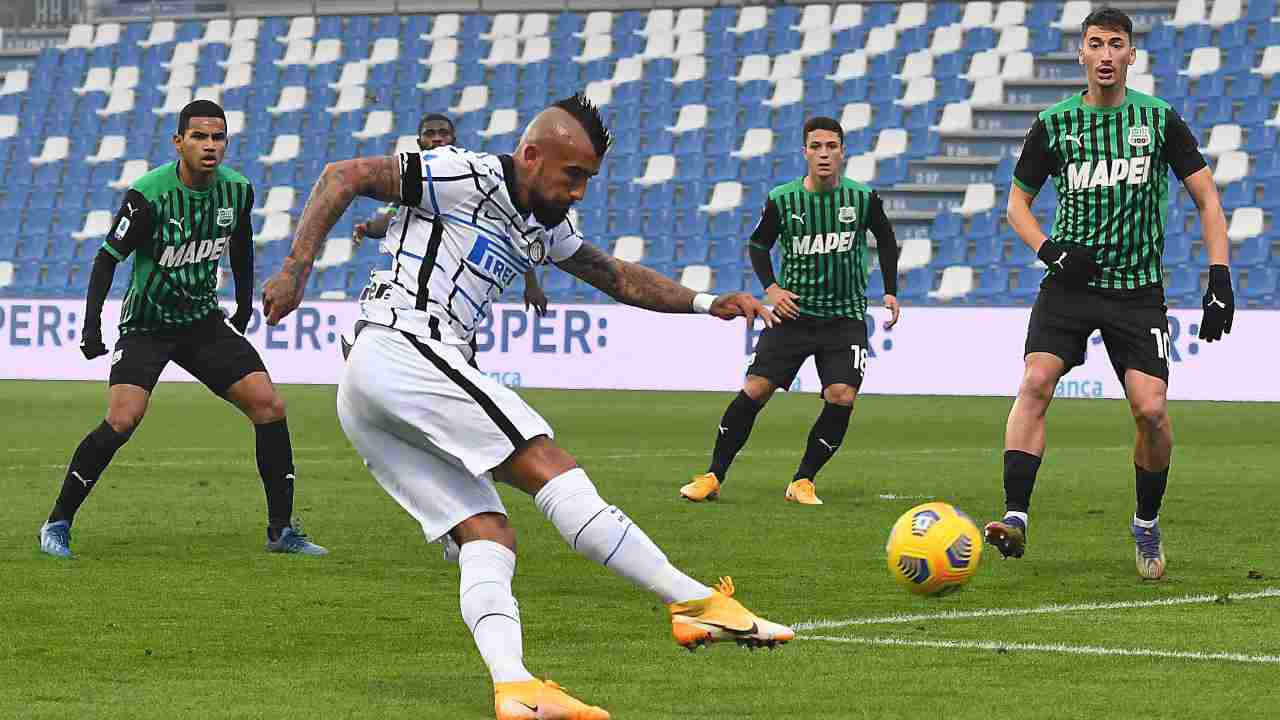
486, 403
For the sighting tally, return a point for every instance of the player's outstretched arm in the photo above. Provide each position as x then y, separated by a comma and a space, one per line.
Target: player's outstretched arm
641, 287
339, 184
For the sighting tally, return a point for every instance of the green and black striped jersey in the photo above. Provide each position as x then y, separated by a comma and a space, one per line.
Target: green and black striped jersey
177, 234
824, 241
1109, 168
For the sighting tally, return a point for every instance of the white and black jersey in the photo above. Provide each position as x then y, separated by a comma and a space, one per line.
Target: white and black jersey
458, 241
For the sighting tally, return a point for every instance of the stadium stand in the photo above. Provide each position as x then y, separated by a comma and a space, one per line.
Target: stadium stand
706, 104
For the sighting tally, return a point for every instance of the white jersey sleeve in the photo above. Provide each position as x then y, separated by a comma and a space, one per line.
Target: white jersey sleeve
565, 239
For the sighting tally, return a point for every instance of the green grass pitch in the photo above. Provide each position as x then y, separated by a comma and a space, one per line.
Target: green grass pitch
172, 609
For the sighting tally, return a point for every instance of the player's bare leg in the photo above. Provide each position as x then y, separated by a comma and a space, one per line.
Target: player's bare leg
732, 433
1152, 452
126, 406
257, 398
1024, 443
825, 437
603, 533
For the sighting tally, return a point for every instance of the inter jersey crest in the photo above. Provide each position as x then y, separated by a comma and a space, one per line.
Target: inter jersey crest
537, 251
847, 214
1139, 136
225, 217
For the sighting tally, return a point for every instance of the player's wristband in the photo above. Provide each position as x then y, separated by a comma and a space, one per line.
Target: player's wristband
702, 302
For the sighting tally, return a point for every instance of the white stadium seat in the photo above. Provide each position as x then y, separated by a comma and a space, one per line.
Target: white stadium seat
1013, 39
983, 64
162, 32
120, 101
110, 148
599, 22
243, 52
349, 99
911, 15
535, 25
217, 31
595, 47
1010, 13
505, 25
599, 92
502, 52
80, 36
691, 117
126, 76
327, 52
8, 126
755, 143
915, 253
848, 15
787, 92
175, 98
276, 227
690, 19
444, 26
855, 116
292, 99
689, 69
442, 75
238, 76
814, 16
1188, 12
851, 65
1224, 138
1270, 63
280, 199
978, 198
956, 117
98, 79
55, 148
659, 169
696, 277
536, 50
725, 197
353, 73
235, 122
297, 52
474, 97
920, 91
917, 64
881, 40
337, 251
184, 53
987, 91
629, 248
376, 124
180, 76
442, 50
659, 21
861, 168
96, 224
129, 174
1018, 66
284, 149
302, 27
1204, 61
385, 50
891, 142
501, 122
754, 67
406, 143
629, 69
1225, 12
246, 28
750, 19
977, 15
1073, 13
946, 40
1246, 223
957, 281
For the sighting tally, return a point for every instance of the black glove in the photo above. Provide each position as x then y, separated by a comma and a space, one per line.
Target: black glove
1075, 264
1219, 304
240, 320
91, 342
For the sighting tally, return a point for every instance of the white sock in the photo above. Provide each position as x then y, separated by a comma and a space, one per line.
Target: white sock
490, 610
1145, 523
601, 532
1020, 515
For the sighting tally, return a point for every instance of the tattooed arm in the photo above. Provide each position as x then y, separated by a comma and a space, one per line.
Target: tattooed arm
339, 184
643, 288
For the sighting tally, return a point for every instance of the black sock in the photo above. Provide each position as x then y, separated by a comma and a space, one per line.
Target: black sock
734, 429
824, 439
1150, 484
1019, 479
87, 464
275, 465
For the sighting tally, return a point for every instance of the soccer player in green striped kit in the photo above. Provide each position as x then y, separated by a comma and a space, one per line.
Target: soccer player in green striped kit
1109, 150
822, 221
177, 221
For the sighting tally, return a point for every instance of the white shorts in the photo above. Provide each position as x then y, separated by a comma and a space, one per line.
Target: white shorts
430, 426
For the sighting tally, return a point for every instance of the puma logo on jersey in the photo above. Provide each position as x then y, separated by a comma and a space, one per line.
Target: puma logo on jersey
1075, 139
1215, 302
193, 252
821, 244
176, 221
798, 218
1088, 174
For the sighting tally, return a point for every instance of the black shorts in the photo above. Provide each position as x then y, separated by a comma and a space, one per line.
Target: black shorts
1134, 325
838, 346
211, 350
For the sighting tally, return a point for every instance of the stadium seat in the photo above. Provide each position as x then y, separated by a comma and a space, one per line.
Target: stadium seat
696, 277
286, 148
501, 122
1073, 13
1188, 12
750, 19
946, 40
175, 99
54, 149
957, 282
110, 148
977, 15
279, 200
300, 28
474, 97
162, 33
96, 224
337, 251
15, 81
246, 29
80, 36
692, 117
855, 116
276, 227
1203, 61
129, 172
98, 80
1014, 38
1222, 139
599, 22
180, 76
1232, 166
914, 253
956, 117
629, 248
350, 99
1245, 223
725, 197
881, 40
8, 126
890, 143
660, 169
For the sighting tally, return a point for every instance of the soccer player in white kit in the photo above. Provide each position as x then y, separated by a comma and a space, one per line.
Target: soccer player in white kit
437, 433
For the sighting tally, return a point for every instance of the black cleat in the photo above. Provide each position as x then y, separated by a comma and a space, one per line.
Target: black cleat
1009, 536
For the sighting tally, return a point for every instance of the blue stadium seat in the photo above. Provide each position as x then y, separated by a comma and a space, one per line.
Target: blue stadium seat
1253, 251
992, 284
1260, 284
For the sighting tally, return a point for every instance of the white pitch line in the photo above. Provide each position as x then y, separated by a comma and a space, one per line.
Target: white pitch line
1056, 648
902, 619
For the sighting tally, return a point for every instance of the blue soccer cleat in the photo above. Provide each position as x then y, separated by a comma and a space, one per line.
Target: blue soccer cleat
294, 542
1148, 551
55, 539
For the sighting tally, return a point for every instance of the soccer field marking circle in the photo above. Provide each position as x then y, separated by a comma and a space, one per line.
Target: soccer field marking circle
1054, 609
998, 646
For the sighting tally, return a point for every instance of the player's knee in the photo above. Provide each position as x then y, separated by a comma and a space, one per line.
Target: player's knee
1038, 383
1151, 413
268, 408
840, 394
124, 420
758, 389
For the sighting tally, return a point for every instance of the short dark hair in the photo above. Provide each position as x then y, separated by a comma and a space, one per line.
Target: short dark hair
432, 117
199, 109
1108, 18
588, 116
821, 122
